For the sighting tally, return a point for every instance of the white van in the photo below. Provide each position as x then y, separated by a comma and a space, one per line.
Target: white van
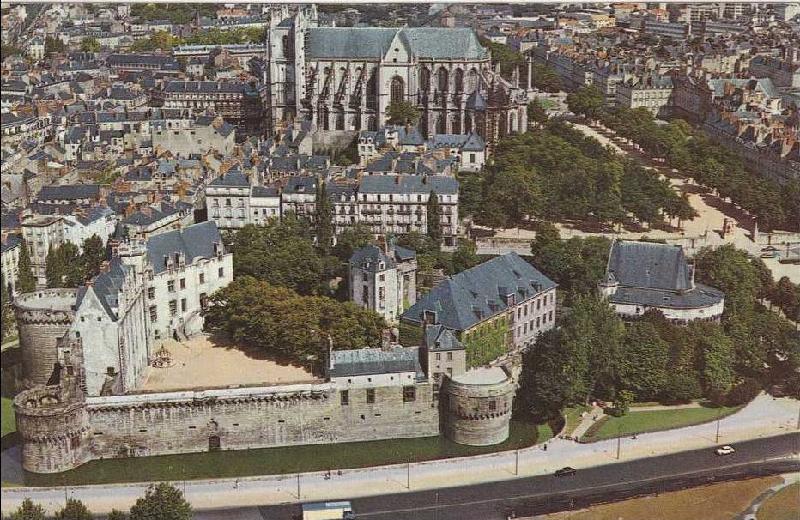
341, 510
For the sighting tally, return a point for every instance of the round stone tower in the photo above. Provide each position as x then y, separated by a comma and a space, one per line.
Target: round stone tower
53, 424
478, 407
43, 317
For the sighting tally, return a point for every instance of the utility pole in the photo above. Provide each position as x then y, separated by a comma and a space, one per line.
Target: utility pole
718, 420
408, 475
436, 509
516, 462
298, 486
798, 418
619, 440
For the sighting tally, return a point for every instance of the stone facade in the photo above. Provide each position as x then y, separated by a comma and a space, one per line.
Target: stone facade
479, 405
343, 79
197, 421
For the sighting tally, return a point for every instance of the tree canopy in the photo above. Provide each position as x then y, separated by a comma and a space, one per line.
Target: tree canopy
403, 112
161, 502
288, 325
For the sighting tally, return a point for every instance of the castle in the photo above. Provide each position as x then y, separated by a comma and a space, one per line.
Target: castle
345, 78
73, 412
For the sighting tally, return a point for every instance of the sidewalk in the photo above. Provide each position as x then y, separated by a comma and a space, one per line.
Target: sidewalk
764, 417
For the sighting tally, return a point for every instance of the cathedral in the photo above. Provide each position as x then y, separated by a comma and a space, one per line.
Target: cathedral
345, 78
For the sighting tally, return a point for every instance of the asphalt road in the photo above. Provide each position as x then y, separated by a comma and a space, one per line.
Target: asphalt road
543, 494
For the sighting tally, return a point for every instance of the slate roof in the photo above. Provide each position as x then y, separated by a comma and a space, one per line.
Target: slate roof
477, 294
69, 192
374, 42
409, 184
208, 86
233, 178
195, 241
438, 338
649, 265
371, 361
656, 275
107, 286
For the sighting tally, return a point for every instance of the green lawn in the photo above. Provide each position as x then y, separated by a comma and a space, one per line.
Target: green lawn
572, 418
640, 422
274, 461
7, 420
783, 505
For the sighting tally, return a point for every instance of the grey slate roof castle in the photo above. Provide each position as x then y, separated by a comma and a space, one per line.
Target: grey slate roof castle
644, 275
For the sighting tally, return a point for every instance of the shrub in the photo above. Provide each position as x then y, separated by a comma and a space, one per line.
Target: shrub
743, 393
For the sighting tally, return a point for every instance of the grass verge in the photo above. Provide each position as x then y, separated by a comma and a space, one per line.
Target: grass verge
610, 427
284, 460
7, 421
783, 505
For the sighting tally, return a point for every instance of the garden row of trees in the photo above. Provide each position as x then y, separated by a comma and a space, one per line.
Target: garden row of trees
695, 154
558, 174
160, 502
594, 354
165, 41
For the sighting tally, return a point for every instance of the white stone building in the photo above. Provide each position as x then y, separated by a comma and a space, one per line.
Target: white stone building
182, 269
383, 281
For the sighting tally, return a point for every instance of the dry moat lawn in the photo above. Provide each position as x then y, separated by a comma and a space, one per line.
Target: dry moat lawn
275, 461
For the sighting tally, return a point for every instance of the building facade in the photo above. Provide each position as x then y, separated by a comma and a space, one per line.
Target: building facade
384, 281
344, 78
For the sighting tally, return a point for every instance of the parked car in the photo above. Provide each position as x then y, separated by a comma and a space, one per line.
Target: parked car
565, 472
725, 450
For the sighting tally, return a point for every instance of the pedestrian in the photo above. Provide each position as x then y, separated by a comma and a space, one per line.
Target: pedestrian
544, 447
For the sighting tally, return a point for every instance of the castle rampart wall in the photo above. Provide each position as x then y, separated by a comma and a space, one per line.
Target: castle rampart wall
182, 422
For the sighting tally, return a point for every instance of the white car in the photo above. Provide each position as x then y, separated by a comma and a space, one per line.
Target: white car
725, 450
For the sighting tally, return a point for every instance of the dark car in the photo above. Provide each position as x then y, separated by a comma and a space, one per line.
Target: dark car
564, 472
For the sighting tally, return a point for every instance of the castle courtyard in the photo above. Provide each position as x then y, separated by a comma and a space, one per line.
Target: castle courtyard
206, 361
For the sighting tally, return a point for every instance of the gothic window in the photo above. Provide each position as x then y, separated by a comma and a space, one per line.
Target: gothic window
513, 126
397, 90
323, 115
441, 124
458, 81
340, 120
443, 80
372, 123
455, 123
467, 124
425, 79
472, 81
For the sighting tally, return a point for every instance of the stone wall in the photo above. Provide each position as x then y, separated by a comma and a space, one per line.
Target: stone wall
478, 412
182, 422
43, 317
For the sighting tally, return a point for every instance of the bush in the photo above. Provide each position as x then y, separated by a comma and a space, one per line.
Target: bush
743, 393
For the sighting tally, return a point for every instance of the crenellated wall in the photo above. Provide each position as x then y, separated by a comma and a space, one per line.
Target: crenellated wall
479, 405
243, 418
43, 317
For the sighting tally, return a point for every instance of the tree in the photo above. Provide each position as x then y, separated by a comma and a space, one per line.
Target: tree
288, 325
644, 360
28, 511
7, 310
536, 112
717, 359
587, 101
403, 113
26, 282
116, 514
161, 502
434, 218
281, 253
465, 256
90, 45
323, 219
623, 400
508, 59
64, 267
350, 240
93, 256
546, 79
53, 46
74, 510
